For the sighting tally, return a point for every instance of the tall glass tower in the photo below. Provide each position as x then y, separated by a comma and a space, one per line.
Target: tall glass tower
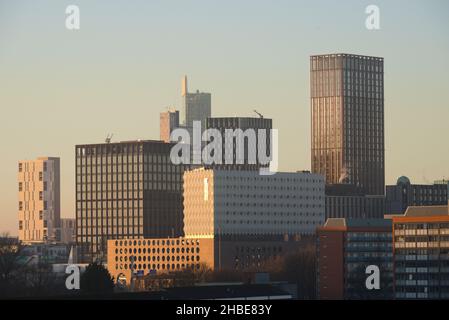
347, 107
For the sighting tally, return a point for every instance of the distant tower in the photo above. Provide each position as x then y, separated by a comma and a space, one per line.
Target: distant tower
169, 121
197, 106
184, 86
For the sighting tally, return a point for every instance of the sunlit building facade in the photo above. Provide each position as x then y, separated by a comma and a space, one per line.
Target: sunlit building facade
421, 253
39, 199
126, 190
347, 107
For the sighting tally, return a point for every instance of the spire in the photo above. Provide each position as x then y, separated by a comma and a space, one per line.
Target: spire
184, 89
70, 260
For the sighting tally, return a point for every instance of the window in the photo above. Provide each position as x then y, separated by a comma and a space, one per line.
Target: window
20, 167
20, 206
20, 186
40, 176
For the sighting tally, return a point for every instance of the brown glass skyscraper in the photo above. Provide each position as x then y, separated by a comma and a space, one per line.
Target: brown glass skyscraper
347, 104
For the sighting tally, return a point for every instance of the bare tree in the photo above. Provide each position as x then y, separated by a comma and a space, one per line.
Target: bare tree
10, 250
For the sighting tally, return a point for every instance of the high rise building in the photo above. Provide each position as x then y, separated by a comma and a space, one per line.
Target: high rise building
347, 107
421, 253
197, 105
251, 142
39, 199
404, 194
126, 190
169, 121
345, 248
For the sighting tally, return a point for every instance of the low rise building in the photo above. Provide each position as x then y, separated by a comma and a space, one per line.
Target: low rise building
345, 248
404, 194
352, 202
421, 253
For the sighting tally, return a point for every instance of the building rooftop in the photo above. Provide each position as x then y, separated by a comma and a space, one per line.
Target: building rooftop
347, 55
426, 211
357, 223
122, 142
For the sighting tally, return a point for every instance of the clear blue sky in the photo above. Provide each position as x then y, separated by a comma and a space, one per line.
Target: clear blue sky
59, 88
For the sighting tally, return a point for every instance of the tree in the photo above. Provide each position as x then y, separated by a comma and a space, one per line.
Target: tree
97, 279
300, 268
10, 250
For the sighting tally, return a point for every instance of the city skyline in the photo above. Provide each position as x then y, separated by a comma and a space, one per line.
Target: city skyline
58, 103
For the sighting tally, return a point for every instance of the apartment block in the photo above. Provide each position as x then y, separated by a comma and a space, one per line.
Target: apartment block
421, 253
345, 248
39, 199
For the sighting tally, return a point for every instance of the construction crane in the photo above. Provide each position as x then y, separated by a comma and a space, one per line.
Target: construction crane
109, 138
259, 114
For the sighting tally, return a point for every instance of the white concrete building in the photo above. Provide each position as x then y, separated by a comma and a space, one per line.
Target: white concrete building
39, 199
244, 203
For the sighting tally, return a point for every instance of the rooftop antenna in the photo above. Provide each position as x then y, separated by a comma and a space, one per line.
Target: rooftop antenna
259, 114
109, 138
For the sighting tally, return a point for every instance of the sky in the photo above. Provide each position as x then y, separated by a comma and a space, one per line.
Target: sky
61, 87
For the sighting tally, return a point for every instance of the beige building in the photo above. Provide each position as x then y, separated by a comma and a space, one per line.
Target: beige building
154, 256
246, 204
39, 199
169, 121
129, 257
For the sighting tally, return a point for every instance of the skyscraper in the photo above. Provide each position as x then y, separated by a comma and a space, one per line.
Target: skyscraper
39, 199
347, 107
169, 121
197, 106
126, 190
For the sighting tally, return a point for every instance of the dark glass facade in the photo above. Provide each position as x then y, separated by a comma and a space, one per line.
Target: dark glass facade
126, 190
243, 123
347, 107
404, 194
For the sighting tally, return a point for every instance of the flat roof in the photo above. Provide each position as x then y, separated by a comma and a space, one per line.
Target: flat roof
357, 223
346, 55
426, 211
